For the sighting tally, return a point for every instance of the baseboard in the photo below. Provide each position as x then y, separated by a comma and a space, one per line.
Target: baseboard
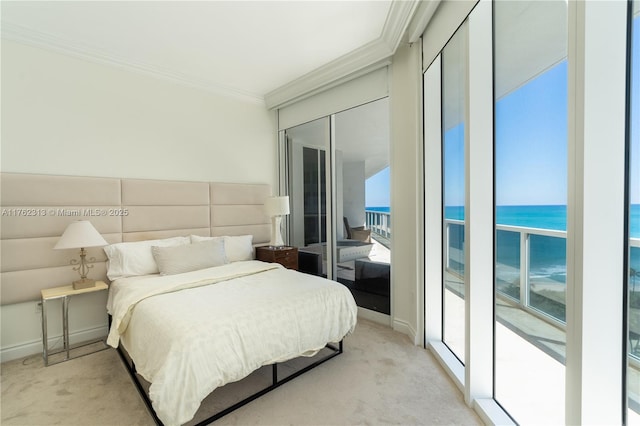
55, 342
374, 316
396, 324
406, 328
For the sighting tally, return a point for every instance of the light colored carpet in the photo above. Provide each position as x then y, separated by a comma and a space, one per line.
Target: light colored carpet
381, 378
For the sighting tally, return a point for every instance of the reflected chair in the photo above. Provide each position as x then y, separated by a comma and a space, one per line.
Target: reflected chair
358, 233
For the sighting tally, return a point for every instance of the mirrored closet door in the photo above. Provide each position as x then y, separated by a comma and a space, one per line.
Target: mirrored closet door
337, 176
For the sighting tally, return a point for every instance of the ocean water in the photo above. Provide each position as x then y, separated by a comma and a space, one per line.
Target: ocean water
386, 209
542, 217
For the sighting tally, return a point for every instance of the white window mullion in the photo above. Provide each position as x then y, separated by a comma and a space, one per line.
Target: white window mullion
595, 240
479, 286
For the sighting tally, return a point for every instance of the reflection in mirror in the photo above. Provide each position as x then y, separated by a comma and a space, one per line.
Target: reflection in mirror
363, 254
307, 145
361, 259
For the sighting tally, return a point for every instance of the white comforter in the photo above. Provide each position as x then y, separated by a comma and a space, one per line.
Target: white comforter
189, 342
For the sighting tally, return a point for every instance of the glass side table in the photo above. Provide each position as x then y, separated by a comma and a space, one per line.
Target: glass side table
64, 293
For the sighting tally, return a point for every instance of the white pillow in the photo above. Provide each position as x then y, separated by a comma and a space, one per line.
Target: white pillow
237, 248
189, 257
198, 238
135, 258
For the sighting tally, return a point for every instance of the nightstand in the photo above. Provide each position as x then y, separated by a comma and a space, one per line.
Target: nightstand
285, 255
64, 293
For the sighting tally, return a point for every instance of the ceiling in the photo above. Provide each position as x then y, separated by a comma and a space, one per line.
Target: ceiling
239, 48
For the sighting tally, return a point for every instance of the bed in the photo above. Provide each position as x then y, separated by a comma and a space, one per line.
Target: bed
189, 333
161, 213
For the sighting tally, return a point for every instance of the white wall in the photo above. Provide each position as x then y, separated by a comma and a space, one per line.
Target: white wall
83, 118
406, 140
67, 116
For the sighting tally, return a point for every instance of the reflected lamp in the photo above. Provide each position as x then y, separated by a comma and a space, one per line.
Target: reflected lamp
276, 207
80, 235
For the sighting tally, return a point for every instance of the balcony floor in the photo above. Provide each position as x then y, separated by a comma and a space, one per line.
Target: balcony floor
530, 355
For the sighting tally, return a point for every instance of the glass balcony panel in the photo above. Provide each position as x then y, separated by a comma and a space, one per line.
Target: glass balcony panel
508, 264
455, 250
634, 297
548, 275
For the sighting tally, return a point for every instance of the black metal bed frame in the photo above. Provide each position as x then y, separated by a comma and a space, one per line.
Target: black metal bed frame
131, 368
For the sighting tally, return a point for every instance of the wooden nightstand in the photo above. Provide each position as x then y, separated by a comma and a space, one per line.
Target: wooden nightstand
64, 293
285, 255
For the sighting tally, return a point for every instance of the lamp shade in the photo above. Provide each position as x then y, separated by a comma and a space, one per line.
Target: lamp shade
277, 206
80, 234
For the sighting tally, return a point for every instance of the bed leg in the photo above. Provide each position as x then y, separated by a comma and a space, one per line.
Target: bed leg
274, 373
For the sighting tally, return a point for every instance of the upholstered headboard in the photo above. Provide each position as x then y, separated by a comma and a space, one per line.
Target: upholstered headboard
36, 209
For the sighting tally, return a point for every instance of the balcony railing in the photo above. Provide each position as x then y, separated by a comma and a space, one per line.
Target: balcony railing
379, 223
531, 268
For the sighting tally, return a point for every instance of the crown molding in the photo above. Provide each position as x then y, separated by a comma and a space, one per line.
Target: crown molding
367, 58
400, 14
68, 47
329, 75
422, 16
351, 65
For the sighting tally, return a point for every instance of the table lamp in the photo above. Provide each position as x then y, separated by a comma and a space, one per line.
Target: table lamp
79, 235
276, 207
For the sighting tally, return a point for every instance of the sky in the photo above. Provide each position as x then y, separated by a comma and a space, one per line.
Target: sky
377, 190
531, 141
531, 144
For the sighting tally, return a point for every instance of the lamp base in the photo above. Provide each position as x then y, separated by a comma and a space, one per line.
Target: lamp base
276, 235
83, 283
